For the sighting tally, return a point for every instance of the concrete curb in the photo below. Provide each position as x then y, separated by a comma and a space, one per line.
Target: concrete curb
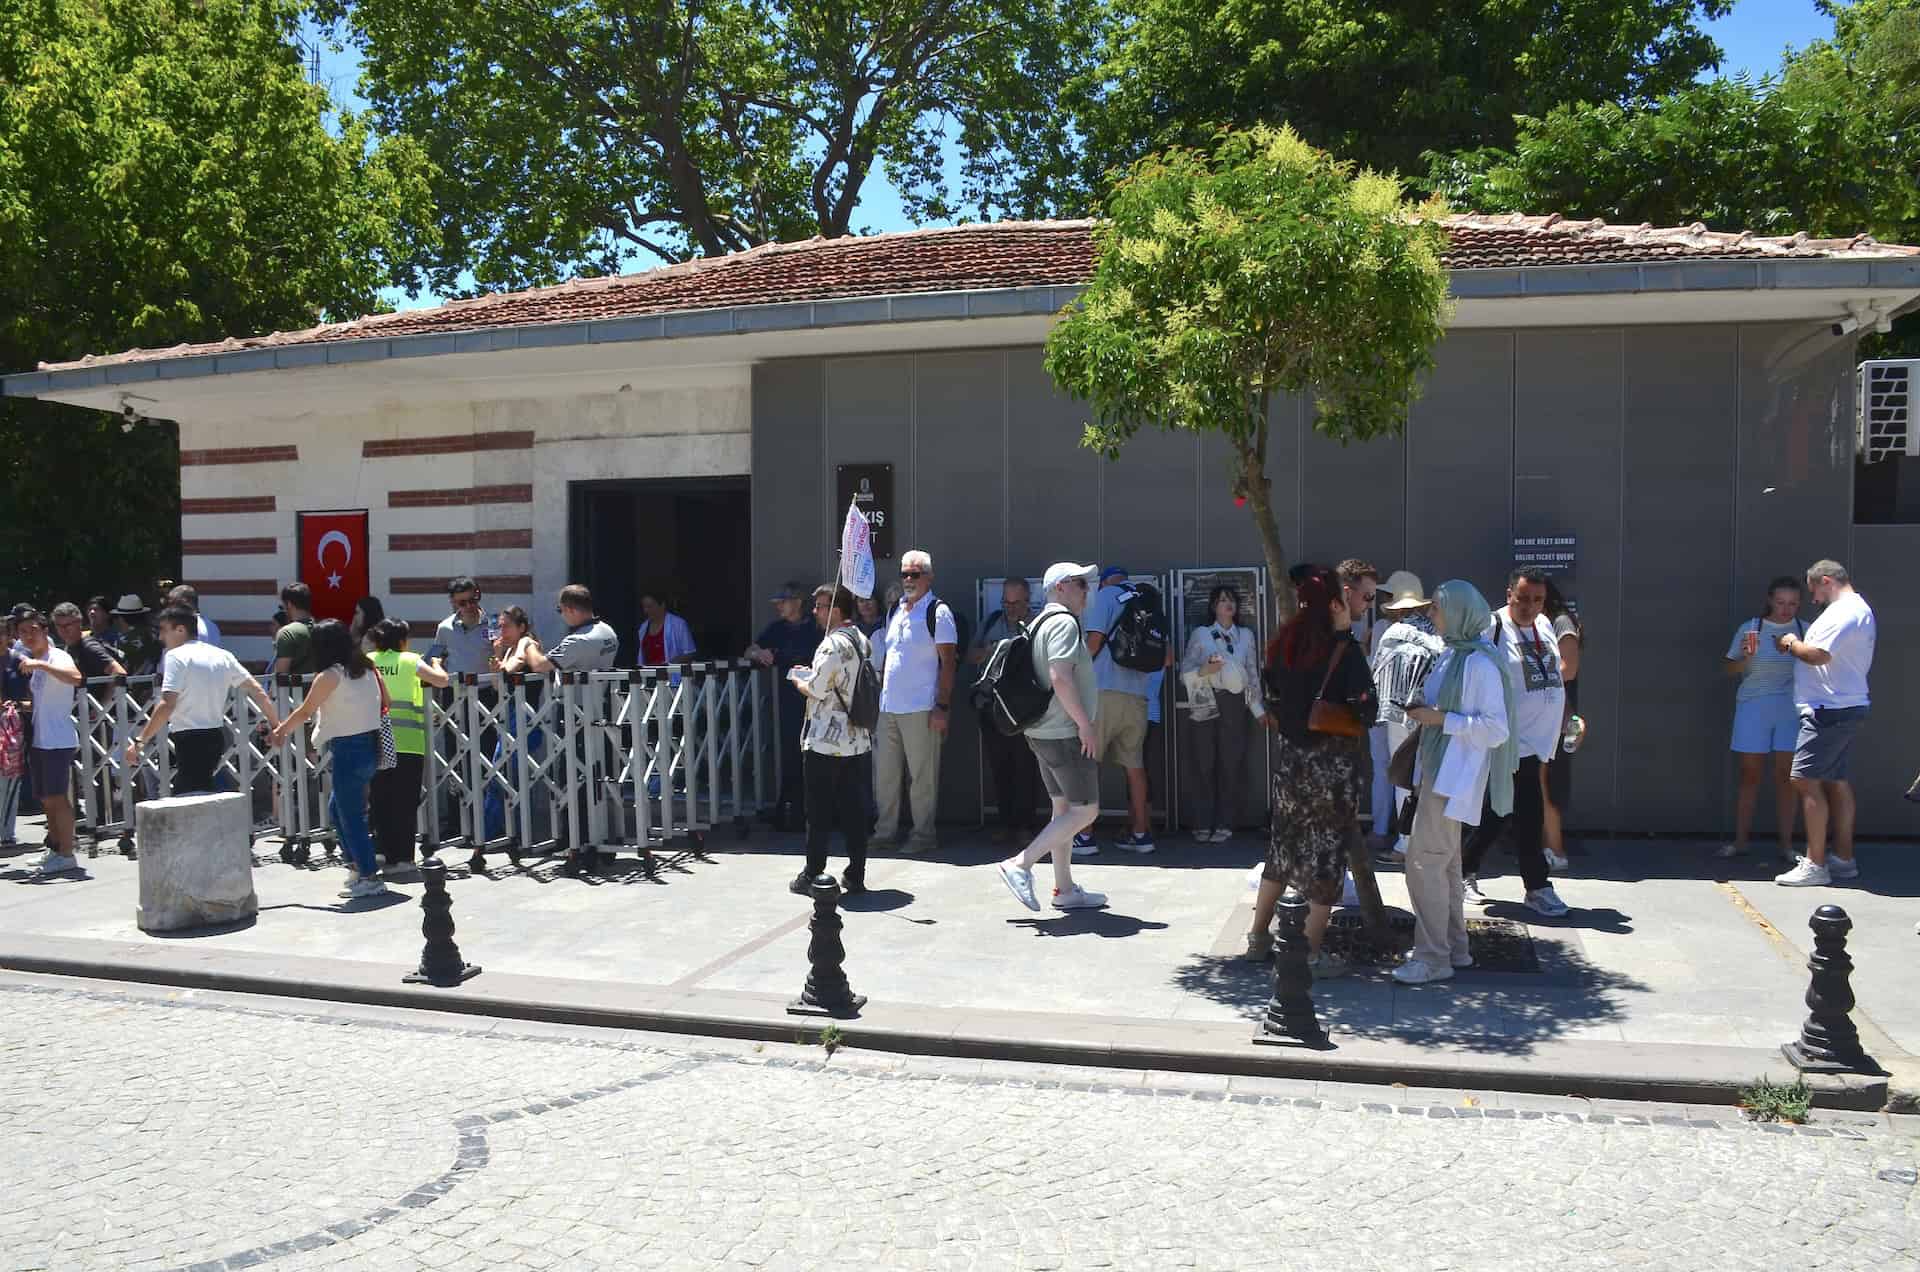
1598, 1070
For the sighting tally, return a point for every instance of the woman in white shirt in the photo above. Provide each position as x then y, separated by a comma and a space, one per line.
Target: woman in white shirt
345, 699
1221, 673
1466, 755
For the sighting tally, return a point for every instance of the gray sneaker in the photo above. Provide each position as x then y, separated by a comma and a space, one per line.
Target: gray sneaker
56, 863
1839, 869
1019, 881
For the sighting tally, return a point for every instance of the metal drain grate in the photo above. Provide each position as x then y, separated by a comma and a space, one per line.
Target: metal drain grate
1501, 945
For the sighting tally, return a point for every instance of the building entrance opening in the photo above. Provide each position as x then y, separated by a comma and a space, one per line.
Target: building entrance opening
689, 542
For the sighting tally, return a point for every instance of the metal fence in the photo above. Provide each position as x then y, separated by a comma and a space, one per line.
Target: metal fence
525, 765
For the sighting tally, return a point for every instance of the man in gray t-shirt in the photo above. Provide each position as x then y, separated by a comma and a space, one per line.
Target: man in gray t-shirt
589, 645
1065, 741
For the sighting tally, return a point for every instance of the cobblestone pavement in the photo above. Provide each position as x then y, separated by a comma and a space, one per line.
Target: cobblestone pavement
146, 1128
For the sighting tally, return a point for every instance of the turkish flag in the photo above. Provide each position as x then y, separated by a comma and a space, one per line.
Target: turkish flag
333, 561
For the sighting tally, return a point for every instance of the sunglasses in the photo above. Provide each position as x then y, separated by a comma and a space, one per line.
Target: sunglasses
911, 574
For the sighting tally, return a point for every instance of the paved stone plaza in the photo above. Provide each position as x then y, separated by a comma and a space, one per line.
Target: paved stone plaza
160, 1129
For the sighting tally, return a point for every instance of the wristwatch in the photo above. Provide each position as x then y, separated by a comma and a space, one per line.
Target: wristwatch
941, 706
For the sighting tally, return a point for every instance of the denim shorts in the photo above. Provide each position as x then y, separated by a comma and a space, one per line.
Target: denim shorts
1826, 742
1764, 724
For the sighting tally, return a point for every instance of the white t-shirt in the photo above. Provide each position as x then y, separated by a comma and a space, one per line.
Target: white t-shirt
1533, 665
1846, 631
910, 670
53, 702
352, 708
203, 675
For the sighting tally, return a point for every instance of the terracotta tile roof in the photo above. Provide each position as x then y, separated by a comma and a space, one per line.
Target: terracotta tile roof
1004, 254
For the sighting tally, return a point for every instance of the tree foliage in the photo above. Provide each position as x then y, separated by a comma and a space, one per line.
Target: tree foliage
166, 174
1831, 146
1376, 83
571, 135
1264, 266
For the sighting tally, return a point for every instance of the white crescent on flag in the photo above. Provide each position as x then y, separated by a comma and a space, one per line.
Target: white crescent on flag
856, 552
320, 553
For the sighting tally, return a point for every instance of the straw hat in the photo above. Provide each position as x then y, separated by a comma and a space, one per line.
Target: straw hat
1404, 587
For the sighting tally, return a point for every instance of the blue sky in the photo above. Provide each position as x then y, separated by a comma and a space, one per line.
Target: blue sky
1752, 38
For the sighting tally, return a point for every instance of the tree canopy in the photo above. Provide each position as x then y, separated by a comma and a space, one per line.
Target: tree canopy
166, 174
572, 135
1379, 84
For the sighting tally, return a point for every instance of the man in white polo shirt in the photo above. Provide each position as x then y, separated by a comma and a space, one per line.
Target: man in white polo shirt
192, 709
1830, 692
916, 655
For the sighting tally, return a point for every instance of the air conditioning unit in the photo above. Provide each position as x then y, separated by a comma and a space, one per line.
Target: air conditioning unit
1886, 399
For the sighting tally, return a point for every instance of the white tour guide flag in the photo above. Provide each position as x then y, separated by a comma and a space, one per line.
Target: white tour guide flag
856, 553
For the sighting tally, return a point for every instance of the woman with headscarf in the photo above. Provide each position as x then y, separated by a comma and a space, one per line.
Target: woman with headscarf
1467, 757
1317, 794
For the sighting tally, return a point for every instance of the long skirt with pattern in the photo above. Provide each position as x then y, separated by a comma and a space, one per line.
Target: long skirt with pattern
1316, 806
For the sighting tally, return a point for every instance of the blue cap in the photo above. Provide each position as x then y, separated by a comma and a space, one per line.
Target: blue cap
1113, 571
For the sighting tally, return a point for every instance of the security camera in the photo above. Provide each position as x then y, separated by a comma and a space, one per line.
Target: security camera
129, 413
1846, 325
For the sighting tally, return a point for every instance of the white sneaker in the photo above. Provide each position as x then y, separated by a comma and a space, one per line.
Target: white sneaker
1471, 886
1084, 845
1555, 861
1804, 875
1019, 881
1545, 901
1222, 834
371, 887
56, 863
1838, 869
1078, 898
1259, 947
1727, 852
1414, 972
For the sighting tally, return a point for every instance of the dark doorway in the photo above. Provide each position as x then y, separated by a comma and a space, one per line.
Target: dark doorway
687, 541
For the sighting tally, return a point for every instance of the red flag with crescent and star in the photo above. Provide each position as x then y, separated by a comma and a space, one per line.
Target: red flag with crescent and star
333, 561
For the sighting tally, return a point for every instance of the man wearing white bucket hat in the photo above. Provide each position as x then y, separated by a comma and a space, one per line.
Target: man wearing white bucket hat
1401, 661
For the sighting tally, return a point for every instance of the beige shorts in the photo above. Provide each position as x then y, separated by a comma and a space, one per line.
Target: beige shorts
1122, 727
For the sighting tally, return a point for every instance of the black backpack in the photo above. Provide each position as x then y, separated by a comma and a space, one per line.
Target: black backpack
1008, 695
863, 709
1138, 640
962, 629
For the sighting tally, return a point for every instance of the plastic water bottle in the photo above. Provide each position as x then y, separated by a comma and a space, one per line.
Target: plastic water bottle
1573, 734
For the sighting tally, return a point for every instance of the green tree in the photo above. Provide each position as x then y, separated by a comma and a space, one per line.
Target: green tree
572, 135
1831, 146
1222, 278
1376, 83
166, 174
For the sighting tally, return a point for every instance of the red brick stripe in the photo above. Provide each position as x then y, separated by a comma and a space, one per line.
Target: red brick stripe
229, 547
240, 455
459, 542
215, 507
246, 627
459, 496
237, 587
446, 444
508, 584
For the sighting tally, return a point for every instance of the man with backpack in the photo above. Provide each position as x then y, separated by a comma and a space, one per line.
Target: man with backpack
1064, 736
917, 653
843, 704
1127, 636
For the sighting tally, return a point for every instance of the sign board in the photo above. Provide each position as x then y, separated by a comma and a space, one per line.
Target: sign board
1192, 610
1553, 553
868, 487
334, 548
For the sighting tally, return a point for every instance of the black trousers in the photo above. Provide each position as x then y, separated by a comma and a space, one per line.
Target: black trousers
793, 709
836, 792
196, 755
1527, 825
1016, 778
394, 798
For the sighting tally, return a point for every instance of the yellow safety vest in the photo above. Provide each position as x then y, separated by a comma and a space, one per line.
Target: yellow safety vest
406, 710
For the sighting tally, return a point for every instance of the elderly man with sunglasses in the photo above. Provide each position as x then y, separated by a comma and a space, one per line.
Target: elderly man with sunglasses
916, 654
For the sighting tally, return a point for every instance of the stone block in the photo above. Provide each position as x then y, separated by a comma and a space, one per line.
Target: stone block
196, 862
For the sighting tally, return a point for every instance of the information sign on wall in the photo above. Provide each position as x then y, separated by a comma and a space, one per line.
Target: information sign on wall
868, 487
1553, 553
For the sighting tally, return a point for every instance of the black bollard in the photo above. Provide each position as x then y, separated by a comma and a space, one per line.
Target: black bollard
440, 961
1290, 1019
826, 992
1828, 1041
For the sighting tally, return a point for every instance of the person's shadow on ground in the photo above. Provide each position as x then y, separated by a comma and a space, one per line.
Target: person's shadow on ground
1088, 923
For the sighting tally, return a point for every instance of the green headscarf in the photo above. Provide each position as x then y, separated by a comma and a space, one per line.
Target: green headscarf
1466, 616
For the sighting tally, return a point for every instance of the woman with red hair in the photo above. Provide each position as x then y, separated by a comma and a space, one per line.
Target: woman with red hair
1321, 703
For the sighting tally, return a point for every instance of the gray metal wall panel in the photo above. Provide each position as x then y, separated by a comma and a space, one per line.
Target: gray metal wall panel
1148, 502
1459, 452
790, 533
1053, 483
1886, 568
870, 421
1677, 556
1352, 501
1566, 479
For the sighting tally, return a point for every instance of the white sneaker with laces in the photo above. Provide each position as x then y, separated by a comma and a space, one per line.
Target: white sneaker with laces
1415, 972
56, 863
1838, 868
1554, 860
1222, 834
1804, 875
1078, 898
373, 886
1019, 881
1546, 902
1471, 885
